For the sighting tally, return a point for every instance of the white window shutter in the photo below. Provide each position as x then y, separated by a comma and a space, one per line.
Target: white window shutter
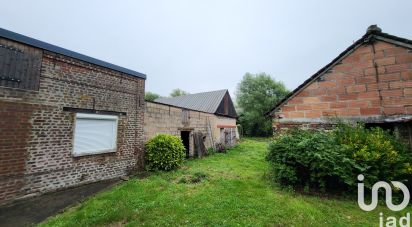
94, 134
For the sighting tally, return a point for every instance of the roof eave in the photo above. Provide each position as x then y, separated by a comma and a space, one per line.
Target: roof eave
179, 107
368, 37
315, 76
59, 50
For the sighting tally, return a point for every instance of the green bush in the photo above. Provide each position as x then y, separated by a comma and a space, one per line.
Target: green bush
377, 153
332, 160
164, 152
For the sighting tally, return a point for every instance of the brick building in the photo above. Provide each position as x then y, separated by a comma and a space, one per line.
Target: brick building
211, 113
65, 119
371, 82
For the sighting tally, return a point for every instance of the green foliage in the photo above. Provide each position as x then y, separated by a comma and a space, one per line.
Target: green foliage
306, 158
150, 96
256, 94
332, 160
378, 154
164, 152
178, 92
234, 193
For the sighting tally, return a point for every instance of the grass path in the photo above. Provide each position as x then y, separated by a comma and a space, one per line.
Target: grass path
233, 193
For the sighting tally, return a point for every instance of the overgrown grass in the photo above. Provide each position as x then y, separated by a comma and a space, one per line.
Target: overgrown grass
220, 190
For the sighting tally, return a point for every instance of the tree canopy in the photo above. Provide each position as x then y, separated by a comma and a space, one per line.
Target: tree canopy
178, 92
150, 96
255, 95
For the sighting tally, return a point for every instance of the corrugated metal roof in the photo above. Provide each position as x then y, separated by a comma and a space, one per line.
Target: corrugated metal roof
205, 102
52, 48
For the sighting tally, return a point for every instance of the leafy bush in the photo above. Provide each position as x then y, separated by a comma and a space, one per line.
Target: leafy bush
164, 152
378, 154
332, 160
304, 158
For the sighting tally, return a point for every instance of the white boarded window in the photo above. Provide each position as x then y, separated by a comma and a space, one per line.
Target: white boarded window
94, 134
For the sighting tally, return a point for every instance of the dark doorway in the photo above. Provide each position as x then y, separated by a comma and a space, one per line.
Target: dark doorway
384, 126
185, 138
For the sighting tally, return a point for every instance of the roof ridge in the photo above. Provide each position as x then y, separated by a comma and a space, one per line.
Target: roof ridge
203, 101
193, 94
206, 92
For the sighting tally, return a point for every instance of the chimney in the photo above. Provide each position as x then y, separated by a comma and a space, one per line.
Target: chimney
373, 29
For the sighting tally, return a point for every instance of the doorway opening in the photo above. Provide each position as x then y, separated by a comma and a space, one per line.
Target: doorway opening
185, 138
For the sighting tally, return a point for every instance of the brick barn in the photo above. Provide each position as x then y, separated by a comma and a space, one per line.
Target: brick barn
370, 82
210, 113
65, 118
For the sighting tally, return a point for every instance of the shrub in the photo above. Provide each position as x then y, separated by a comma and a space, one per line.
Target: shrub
377, 153
164, 152
332, 160
303, 158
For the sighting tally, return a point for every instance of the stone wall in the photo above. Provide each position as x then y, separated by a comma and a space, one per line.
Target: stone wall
36, 133
164, 119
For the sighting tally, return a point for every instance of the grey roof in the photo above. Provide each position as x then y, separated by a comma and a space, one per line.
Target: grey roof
46, 46
205, 102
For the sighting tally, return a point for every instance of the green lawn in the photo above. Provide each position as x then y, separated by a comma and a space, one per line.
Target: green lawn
235, 192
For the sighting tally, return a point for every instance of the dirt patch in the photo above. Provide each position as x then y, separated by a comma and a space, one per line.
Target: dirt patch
194, 178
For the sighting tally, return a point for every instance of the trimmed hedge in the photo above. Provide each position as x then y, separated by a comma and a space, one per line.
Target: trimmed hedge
164, 152
332, 160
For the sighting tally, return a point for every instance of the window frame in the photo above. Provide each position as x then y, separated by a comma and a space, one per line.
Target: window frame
94, 116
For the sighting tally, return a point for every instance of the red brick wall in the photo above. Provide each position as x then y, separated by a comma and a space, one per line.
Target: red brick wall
355, 88
36, 134
14, 136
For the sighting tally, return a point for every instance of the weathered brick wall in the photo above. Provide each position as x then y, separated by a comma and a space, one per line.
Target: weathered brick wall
164, 119
14, 136
37, 134
355, 89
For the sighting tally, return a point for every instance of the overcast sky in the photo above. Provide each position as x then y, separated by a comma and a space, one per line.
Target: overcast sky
207, 45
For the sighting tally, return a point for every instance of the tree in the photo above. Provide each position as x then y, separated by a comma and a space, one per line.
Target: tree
178, 92
150, 96
256, 94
